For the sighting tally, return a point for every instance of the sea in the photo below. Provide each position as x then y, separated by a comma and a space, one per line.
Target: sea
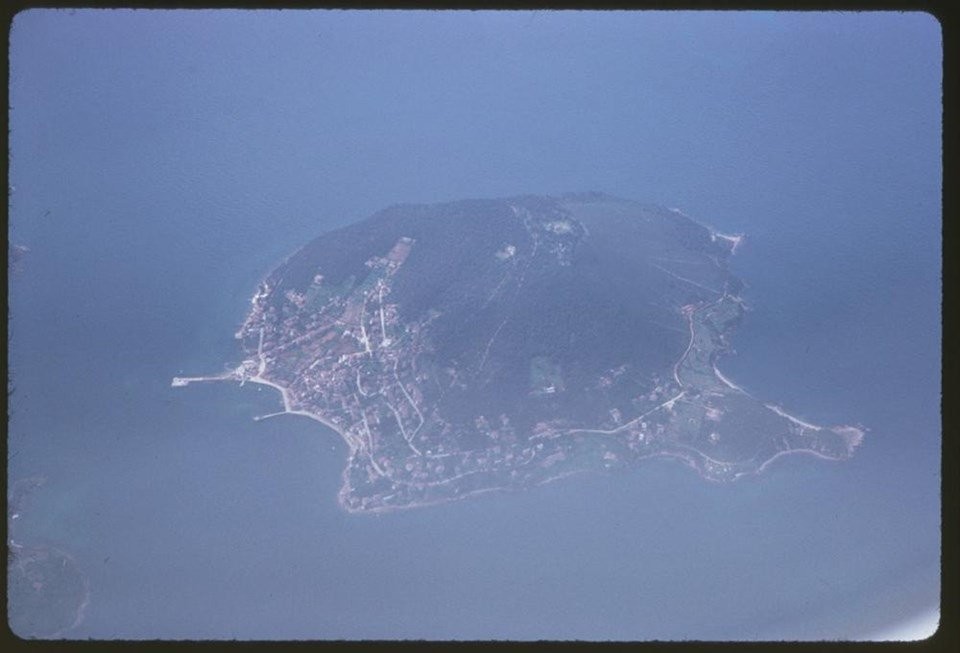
163, 162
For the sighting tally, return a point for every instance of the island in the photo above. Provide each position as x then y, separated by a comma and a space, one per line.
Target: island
47, 593
484, 345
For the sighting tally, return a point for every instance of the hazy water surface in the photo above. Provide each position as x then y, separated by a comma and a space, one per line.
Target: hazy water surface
162, 162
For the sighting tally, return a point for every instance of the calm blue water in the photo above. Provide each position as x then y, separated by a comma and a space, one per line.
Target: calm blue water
180, 156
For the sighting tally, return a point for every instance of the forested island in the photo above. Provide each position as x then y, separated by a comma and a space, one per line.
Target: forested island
482, 345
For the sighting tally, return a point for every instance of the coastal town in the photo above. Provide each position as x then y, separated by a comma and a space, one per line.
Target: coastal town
340, 353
